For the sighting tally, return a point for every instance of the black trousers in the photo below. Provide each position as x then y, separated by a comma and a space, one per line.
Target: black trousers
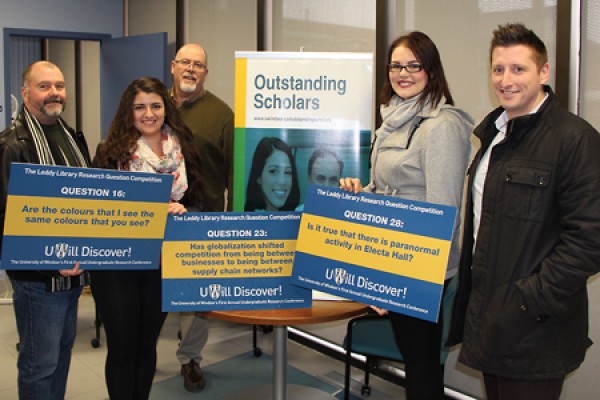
499, 388
129, 304
420, 342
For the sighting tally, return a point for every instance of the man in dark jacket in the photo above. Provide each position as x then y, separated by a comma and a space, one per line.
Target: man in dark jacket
45, 302
532, 231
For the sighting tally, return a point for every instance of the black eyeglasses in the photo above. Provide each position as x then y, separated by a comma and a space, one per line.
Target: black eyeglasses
411, 68
186, 63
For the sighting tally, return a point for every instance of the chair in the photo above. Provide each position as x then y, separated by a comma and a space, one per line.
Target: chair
373, 337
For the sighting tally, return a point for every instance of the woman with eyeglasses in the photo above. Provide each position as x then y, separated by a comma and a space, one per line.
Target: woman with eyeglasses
421, 152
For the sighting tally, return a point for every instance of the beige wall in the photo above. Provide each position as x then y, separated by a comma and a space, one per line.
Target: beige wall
332, 25
90, 90
222, 28
62, 53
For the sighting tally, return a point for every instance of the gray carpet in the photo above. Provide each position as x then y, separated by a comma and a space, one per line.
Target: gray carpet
234, 374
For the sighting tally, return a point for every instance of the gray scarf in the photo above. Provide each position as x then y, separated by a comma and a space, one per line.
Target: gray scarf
42, 147
397, 115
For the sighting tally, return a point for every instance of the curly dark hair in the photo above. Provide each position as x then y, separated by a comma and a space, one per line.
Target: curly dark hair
118, 148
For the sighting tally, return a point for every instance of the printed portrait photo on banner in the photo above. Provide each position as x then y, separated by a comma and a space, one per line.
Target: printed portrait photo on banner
281, 163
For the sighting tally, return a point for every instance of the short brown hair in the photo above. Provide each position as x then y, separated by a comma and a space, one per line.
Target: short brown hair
515, 34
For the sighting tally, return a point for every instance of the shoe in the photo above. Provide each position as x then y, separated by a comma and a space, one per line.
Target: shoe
193, 377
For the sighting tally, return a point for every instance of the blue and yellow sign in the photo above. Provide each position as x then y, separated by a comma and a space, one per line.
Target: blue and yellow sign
383, 251
231, 261
105, 219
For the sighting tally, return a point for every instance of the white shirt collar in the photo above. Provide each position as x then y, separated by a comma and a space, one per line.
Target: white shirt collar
502, 120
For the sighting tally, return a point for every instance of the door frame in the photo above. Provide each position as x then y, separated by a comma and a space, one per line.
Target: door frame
42, 34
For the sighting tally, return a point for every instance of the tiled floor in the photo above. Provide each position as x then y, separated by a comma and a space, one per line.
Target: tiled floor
86, 379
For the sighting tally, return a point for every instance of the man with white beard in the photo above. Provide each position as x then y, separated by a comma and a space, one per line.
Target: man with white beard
211, 121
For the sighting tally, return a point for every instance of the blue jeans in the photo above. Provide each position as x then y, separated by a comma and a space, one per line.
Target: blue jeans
47, 324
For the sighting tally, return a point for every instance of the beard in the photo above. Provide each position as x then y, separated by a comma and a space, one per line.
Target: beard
53, 109
187, 87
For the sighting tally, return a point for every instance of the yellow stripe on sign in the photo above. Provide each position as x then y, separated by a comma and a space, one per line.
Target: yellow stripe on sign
50, 216
241, 66
381, 249
232, 259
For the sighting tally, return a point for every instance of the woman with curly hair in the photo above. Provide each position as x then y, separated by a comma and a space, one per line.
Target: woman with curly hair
146, 135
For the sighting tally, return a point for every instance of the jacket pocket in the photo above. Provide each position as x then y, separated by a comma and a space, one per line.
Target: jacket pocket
509, 330
525, 187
